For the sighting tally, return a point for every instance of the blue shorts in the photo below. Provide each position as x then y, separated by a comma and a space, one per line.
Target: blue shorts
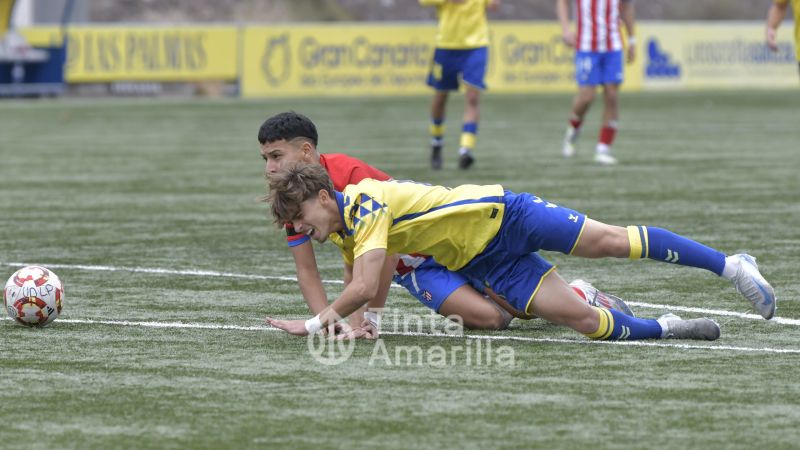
431, 283
596, 68
516, 280
509, 264
449, 65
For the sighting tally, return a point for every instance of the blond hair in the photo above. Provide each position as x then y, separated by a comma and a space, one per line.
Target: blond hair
293, 185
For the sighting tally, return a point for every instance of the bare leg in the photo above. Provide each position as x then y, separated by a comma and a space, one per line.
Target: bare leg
610, 104
600, 240
475, 311
558, 303
471, 109
438, 105
582, 101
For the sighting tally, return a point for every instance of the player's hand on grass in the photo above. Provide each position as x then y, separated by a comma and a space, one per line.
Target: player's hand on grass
365, 331
333, 330
295, 327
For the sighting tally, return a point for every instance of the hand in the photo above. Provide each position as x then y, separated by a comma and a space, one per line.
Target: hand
333, 330
365, 331
631, 53
569, 38
772, 42
295, 327
493, 5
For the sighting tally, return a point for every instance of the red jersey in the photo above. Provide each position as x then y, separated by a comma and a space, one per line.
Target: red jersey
597, 25
343, 170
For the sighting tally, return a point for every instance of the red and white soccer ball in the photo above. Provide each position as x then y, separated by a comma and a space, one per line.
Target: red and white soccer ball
33, 296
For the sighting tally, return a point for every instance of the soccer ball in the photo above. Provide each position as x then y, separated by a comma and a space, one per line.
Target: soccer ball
33, 296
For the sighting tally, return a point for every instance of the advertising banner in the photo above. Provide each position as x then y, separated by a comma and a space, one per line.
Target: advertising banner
348, 59
395, 59
144, 53
717, 55
531, 57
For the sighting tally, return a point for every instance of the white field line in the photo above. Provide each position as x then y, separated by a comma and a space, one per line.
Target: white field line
211, 273
205, 326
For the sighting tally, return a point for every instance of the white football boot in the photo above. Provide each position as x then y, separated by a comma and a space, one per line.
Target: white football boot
604, 159
673, 327
750, 283
568, 149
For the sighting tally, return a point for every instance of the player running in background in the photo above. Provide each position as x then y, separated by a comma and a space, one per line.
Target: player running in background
774, 18
598, 62
491, 236
291, 137
461, 55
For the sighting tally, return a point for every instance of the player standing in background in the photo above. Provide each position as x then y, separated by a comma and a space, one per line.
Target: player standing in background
774, 18
598, 61
461, 55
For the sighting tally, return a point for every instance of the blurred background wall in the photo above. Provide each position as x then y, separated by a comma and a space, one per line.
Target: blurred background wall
48, 11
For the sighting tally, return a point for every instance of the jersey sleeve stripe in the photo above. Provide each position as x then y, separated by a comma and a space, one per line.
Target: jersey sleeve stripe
490, 199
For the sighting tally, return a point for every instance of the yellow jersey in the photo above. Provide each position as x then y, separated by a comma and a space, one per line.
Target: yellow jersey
451, 224
796, 11
461, 25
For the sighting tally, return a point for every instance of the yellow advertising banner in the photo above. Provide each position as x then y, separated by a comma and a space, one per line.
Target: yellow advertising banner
394, 59
350, 59
354, 59
144, 53
531, 57
716, 55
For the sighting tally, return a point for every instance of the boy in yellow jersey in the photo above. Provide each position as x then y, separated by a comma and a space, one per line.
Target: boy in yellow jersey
290, 137
462, 47
774, 18
490, 236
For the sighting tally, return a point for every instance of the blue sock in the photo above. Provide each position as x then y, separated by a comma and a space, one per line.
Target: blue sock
663, 245
615, 325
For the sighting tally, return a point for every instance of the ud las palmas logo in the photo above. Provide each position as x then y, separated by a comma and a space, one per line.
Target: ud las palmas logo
276, 62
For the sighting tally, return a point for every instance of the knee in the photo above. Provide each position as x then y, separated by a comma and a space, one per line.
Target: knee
614, 243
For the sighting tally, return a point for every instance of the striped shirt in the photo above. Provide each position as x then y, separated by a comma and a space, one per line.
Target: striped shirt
597, 25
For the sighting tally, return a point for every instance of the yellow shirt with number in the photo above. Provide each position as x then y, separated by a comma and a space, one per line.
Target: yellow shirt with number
451, 224
461, 25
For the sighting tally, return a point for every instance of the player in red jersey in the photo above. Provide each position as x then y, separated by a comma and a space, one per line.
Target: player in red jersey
288, 137
598, 62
